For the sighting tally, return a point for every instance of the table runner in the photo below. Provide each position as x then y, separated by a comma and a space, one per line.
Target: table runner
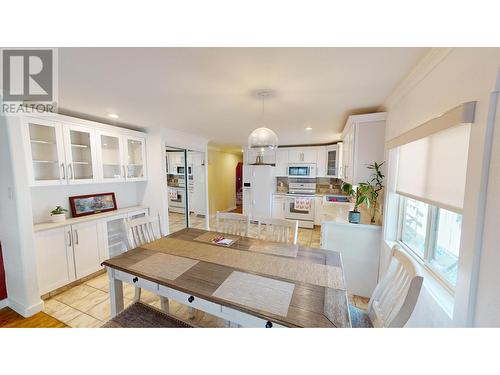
291, 269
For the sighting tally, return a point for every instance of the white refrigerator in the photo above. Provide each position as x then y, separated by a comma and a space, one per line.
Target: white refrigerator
258, 186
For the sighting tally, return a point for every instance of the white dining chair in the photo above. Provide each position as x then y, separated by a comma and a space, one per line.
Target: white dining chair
394, 297
279, 230
232, 223
140, 231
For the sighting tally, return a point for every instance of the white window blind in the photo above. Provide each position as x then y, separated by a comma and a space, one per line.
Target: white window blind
433, 167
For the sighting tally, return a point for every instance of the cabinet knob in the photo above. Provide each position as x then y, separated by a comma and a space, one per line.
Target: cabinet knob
190, 299
269, 324
135, 279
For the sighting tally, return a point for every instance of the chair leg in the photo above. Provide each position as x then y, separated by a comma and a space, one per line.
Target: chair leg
137, 294
164, 304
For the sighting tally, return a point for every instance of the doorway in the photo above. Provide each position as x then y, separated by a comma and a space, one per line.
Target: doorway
186, 183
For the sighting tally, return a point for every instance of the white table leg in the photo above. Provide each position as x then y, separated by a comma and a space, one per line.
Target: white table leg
115, 294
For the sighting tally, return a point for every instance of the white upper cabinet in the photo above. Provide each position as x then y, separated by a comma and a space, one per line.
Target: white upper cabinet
320, 161
281, 162
333, 160
302, 155
363, 143
61, 153
135, 158
80, 155
111, 156
44, 152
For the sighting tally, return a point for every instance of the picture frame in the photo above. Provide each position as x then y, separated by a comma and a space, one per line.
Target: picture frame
83, 205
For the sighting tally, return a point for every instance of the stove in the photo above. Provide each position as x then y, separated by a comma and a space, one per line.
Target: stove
302, 188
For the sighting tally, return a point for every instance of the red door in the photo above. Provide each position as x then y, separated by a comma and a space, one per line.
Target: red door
3, 286
239, 184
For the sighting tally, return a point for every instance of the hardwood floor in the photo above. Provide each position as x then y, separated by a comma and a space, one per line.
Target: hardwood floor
10, 319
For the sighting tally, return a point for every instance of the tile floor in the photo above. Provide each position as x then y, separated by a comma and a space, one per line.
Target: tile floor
87, 305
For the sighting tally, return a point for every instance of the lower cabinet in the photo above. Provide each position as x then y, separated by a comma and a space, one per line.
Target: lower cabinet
55, 259
86, 248
66, 254
318, 210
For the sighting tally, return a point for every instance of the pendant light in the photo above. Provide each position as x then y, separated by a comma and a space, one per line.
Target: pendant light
263, 138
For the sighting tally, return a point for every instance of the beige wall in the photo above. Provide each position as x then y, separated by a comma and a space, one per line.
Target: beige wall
222, 179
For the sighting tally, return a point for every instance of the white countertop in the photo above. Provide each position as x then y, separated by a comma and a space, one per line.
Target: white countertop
74, 220
338, 213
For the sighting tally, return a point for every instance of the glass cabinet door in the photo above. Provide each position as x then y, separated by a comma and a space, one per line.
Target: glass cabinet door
135, 155
111, 157
331, 163
47, 153
79, 154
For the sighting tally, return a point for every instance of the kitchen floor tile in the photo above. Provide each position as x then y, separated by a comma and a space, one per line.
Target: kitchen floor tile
84, 321
66, 314
100, 282
89, 301
74, 294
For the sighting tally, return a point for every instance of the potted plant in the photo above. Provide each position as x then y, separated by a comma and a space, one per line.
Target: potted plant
359, 196
374, 187
58, 214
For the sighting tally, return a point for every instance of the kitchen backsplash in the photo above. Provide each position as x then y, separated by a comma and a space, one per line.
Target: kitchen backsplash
323, 185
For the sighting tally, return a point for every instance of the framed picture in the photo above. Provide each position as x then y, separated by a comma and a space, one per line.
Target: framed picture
82, 205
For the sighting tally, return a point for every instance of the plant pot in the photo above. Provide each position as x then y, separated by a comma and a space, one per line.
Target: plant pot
354, 217
58, 218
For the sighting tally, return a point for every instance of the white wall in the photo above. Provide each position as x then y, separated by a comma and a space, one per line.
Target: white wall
45, 198
16, 222
445, 79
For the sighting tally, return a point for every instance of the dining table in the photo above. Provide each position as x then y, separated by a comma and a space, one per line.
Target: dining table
247, 281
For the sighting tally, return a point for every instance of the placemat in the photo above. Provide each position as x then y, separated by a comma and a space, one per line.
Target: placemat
266, 247
263, 293
164, 265
291, 269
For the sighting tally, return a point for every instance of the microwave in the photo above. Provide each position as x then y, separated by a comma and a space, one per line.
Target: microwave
302, 170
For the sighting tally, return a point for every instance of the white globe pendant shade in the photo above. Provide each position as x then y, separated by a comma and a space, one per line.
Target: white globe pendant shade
263, 138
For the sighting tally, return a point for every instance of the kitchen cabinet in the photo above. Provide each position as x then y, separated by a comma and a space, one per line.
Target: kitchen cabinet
363, 143
333, 160
320, 161
318, 210
70, 252
302, 155
85, 248
80, 154
281, 169
44, 147
59, 152
278, 210
54, 258
135, 158
111, 156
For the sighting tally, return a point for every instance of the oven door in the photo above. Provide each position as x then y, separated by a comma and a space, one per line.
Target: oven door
292, 212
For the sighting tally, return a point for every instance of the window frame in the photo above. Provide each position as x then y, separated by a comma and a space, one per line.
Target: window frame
430, 241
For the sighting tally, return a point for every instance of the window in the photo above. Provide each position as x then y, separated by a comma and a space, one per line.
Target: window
432, 234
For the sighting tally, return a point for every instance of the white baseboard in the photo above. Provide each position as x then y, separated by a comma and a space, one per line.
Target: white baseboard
26, 311
4, 303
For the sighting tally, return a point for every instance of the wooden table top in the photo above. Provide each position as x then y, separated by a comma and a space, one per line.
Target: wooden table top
310, 306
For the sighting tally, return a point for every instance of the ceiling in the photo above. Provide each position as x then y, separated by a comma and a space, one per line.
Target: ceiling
208, 91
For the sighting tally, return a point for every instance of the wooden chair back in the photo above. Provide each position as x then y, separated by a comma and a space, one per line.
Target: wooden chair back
232, 223
279, 230
396, 295
143, 230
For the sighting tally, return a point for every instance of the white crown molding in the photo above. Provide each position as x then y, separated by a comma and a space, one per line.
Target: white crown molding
426, 65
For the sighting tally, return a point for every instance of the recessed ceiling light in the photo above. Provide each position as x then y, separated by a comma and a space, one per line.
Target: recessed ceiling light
112, 115
309, 128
